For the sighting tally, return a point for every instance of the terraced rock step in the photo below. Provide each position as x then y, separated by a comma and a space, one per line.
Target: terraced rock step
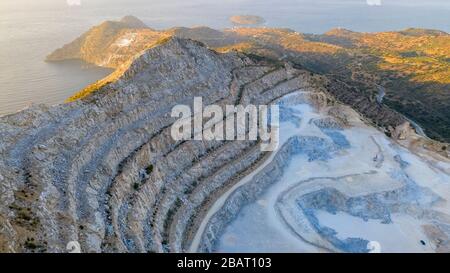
104, 170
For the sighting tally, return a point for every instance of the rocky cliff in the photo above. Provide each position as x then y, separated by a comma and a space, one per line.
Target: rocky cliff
411, 65
109, 44
105, 172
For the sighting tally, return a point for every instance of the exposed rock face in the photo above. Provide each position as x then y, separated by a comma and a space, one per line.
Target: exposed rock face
110, 43
247, 194
402, 131
410, 66
335, 185
104, 171
113, 43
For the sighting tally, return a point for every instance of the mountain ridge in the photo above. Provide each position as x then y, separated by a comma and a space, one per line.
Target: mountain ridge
413, 76
105, 172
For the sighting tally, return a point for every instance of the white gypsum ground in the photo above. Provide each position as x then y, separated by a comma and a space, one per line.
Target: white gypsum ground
372, 170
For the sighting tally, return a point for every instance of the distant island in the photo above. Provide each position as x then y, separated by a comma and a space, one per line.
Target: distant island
247, 20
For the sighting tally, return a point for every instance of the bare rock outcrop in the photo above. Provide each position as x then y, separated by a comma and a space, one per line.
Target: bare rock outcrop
104, 170
110, 43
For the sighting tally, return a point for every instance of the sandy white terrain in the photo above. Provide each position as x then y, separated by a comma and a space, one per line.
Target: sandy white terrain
365, 190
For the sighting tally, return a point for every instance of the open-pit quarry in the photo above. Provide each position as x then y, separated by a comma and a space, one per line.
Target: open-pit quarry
105, 172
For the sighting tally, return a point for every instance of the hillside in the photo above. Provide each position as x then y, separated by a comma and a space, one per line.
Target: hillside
109, 44
410, 66
105, 172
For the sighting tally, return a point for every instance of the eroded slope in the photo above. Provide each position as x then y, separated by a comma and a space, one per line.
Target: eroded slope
104, 170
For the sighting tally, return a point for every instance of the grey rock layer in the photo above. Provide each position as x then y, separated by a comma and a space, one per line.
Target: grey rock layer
104, 171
